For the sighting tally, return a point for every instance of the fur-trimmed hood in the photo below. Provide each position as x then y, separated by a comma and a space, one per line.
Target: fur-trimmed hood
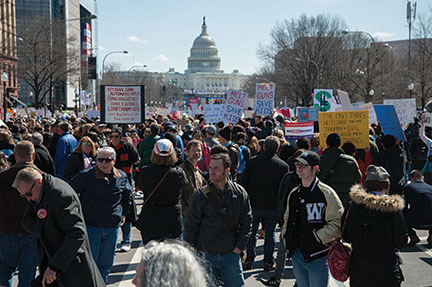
386, 203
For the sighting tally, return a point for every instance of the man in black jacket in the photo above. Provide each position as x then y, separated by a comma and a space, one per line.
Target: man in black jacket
43, 159
225, 205
261, 180
54, 215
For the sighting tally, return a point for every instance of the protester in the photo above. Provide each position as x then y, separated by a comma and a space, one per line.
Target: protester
65, 146
222, 245
244, 154
311, 223
162, 183
418, 210
210, 133
376, 228
81, 158
261, 180
106, 199
225, 135
17, 246
204, 161
337, 169
170, 264
145, 147
53, 214
43, 159
6, 143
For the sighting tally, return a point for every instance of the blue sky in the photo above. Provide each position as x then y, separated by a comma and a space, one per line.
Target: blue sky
160, 33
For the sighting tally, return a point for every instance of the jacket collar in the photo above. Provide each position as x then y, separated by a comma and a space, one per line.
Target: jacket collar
382, 203
100, 175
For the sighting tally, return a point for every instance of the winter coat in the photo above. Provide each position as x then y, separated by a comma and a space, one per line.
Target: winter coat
418, 211
340, 171
145, 148
204, 163
208, 229
376, 228
126, 156
312, 220
288, 182
233, 151
65, 146
393, 160
195, 181
74, 165
104, 198
261, 180
160, 217
43, 160
63, 240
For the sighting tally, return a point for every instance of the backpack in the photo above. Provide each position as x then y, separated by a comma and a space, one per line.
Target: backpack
339, 257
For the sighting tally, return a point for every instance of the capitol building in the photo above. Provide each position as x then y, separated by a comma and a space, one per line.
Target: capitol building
204, 75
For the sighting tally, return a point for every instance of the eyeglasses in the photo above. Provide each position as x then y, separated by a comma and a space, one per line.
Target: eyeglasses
108, 160
300, 165
86, 144
28, 193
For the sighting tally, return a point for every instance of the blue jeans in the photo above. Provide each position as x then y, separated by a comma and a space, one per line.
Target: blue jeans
126, 232
268, 219
17, 251
228, 266
102, 244
310, 274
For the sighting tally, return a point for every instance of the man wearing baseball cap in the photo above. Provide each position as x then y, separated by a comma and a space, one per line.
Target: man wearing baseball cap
311, 223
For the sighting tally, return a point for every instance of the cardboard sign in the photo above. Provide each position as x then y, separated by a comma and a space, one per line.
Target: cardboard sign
264, 98
344, 100
122, 104
372, 115
234, 106
405, 109
352, 126
389, 121
313, 114
155, 111
294, 131
324, 100
307, 114
356, 106
213, 113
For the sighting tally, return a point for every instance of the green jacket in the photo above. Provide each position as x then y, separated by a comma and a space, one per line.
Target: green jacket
340, 175
145, 149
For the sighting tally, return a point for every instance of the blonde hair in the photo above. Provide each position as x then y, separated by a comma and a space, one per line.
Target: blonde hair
86, 139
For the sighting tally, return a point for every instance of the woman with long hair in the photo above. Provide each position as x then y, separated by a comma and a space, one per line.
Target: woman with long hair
376, 228
204, 163
161, 184
81, 158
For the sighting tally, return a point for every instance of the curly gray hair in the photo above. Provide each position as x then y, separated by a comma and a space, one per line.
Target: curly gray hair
171, 264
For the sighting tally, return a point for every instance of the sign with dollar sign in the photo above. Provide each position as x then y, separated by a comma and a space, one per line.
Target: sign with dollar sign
323, 100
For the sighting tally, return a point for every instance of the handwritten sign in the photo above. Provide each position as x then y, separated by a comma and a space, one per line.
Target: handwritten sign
389, 121
234, 106
122, 104
405, 109
155, 111
372, 115
92, 114
213, 113
294, 131
264, 98
309, 114
324, 101
352, 126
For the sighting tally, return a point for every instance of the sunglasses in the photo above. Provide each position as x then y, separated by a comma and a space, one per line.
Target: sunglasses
28, 193
108, 160
86, 144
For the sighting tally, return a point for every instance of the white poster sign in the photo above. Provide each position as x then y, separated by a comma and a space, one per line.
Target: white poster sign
213, 113
324, 100
264, 98
344, 100
405, 109
234, 106
122, 104
372, 115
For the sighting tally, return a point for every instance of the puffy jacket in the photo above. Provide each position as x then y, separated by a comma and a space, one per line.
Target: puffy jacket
312, 220
208, 229
65, 146
104, 198
340, 171
376, 228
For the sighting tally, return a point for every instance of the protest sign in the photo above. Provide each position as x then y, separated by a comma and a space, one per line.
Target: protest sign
122, 104
389, 121
193, 103
405, 109
356, 106
344, 100
92, 114
250, 103
352, 126
313, 114
234, 106
324, 101
264, 98
286, 112
213, 112
372, 115
155, 111
307, 114
294, 131
248, 114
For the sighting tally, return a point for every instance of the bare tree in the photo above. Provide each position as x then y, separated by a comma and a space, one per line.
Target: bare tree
44, 60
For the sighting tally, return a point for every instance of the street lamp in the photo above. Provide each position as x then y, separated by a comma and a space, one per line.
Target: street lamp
113, 52
410, 88
345, 32
4, 79
136, 66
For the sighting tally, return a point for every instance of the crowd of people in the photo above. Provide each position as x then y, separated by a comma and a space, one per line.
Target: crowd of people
68, 187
